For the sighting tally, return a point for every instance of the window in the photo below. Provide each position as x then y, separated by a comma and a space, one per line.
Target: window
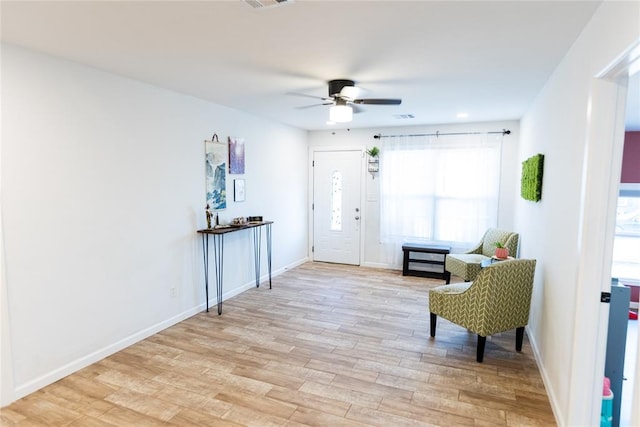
439, 189
626, 244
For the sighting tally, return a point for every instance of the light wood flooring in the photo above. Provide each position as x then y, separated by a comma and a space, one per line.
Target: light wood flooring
329, 345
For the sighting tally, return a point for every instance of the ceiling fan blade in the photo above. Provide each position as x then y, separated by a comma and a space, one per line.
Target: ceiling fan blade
378, 101
309, 96
357, 109
313, 105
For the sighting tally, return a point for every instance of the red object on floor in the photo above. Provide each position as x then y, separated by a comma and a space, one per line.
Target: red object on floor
633, 315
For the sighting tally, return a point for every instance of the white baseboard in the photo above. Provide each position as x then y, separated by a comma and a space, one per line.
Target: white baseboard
83, 362
381, 265
264, 279
294, 264
553, 400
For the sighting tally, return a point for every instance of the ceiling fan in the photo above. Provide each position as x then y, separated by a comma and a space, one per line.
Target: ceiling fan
343, 98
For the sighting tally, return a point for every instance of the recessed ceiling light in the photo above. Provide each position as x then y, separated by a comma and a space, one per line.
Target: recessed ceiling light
462, 115
265, 4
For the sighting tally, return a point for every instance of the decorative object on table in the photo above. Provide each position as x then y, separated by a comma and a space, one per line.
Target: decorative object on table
502, 252
236, 155
531, 181
373, 165
208, 213
490, 261
238, 190
239, 220
255, 218
216, 173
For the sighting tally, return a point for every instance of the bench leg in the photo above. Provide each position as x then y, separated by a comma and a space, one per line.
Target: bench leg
405, 263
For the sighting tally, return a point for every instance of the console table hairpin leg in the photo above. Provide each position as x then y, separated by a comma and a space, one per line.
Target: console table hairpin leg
218, 257
257, 240
268, 228
205, 253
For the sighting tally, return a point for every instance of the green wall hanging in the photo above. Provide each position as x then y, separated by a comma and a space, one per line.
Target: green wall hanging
531, 181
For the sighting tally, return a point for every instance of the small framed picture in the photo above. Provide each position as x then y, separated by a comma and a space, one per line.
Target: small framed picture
236, 155
238, 190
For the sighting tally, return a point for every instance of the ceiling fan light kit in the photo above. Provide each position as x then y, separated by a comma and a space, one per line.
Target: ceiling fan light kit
340, 114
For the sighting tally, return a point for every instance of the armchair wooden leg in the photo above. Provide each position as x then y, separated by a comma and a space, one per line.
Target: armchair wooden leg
447, 276
480, 349
519, 337
432, 323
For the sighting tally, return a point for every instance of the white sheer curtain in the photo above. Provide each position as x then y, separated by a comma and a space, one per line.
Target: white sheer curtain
440, 189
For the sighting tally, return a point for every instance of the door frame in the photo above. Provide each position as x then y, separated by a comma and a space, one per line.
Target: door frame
312, 151
601, 180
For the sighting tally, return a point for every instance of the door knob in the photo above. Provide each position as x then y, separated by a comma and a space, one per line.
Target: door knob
357, 217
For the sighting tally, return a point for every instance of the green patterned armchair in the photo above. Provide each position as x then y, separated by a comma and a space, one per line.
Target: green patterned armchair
497, 300
467, 265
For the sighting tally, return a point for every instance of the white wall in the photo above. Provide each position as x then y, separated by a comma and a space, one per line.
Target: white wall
102, 192
556, 125
383, 255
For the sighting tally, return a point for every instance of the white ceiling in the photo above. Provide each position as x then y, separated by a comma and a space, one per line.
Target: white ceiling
486, 58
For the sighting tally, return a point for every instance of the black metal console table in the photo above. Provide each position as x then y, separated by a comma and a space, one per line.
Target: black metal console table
218, 233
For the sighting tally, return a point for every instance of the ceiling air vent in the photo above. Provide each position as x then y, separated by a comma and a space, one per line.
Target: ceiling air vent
262, 4
404, 116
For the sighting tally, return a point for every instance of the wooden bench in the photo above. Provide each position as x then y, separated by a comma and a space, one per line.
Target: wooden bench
432, 263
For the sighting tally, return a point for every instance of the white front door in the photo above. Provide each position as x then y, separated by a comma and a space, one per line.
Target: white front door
336, 206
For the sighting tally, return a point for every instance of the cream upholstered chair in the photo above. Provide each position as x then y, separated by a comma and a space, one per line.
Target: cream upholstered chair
467, 265
497, 300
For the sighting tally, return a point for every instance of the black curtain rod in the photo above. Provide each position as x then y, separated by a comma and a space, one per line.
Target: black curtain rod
437, 134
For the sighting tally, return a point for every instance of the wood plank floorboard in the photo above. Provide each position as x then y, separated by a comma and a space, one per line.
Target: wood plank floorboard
329, 345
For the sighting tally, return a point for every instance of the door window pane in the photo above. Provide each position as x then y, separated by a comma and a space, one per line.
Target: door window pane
336, 201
